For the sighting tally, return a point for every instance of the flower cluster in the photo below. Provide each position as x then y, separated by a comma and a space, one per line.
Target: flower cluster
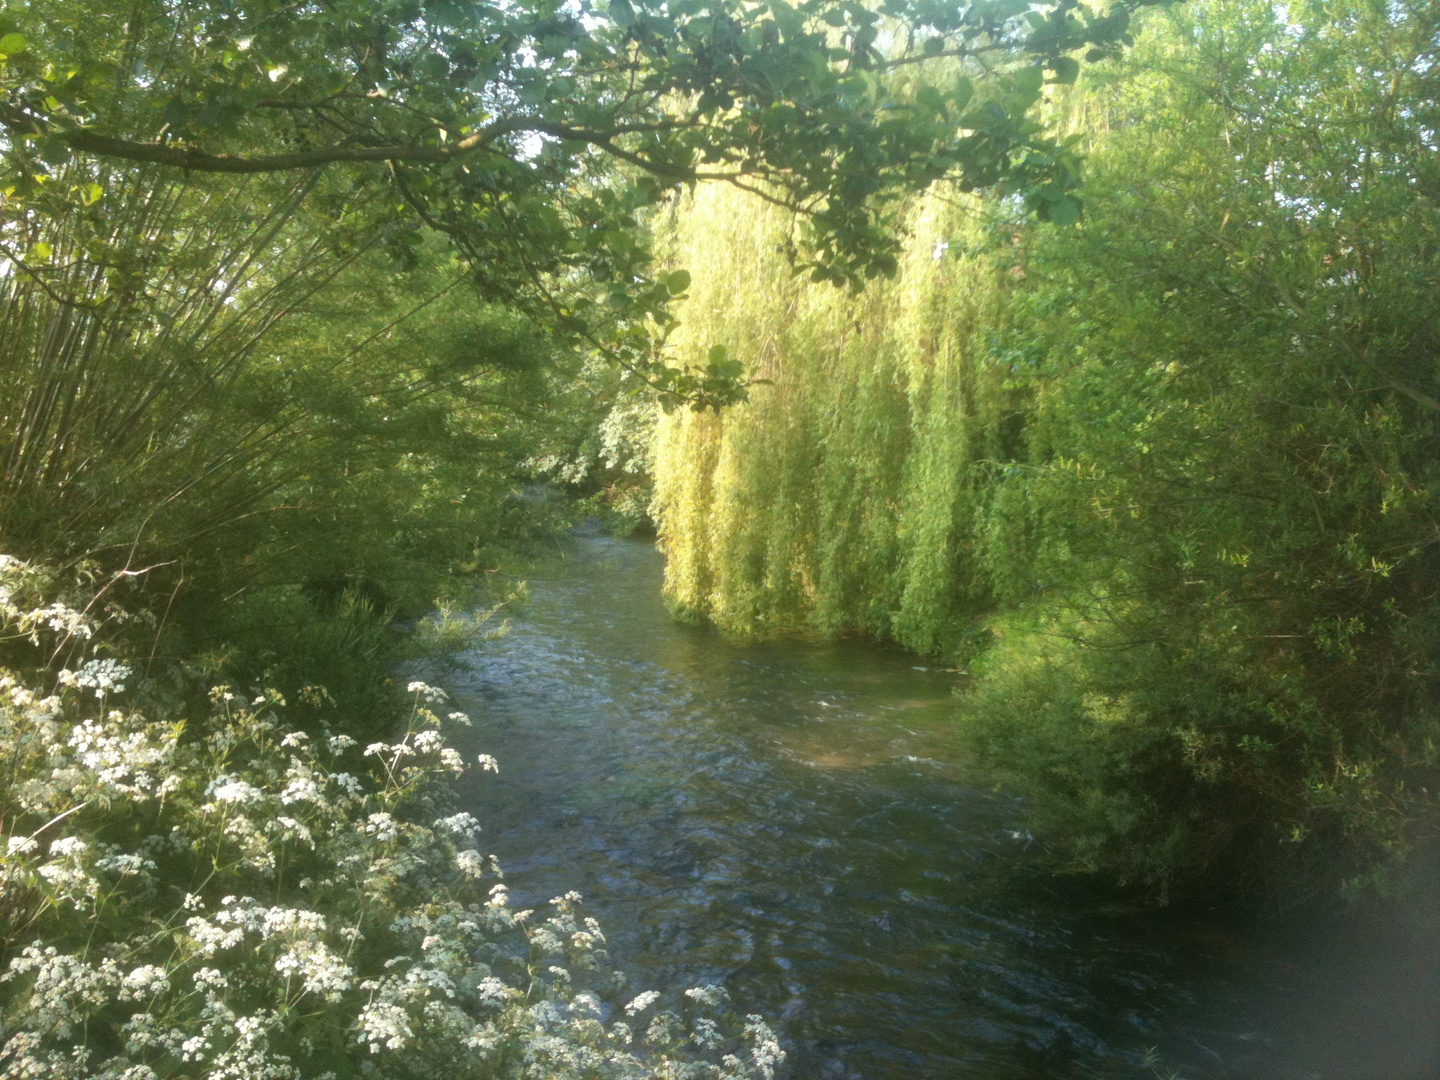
230, 898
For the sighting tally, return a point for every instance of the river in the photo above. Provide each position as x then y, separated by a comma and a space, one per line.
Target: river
795, 820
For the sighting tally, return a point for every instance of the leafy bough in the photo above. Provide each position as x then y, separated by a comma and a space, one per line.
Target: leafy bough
538, 135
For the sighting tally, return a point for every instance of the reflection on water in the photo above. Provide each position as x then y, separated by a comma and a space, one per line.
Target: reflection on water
794, 819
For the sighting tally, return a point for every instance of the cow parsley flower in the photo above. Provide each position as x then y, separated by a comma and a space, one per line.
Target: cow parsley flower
231, 789
144, 982
383, 1024
382, 826
462, 824
641, 1002
433, 694
100, 676
470, 863
714, 996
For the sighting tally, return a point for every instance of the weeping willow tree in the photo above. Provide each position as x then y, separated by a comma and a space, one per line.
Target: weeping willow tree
841, 495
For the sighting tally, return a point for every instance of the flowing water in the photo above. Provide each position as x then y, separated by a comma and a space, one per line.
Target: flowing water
796, 821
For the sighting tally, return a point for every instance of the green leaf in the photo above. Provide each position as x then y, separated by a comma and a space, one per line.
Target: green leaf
41, 250
1064, 211
717, 354
931, 99
54, 152
1029, 80
90, 194
621, 13
176, 113
1067, 70
961, 94
677, 281
11, 44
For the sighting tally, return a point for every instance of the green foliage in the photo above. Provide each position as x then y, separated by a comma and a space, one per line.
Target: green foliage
840, 495
1228, 508
295, 301
598, 445
1196, 539
282, 442
534, 134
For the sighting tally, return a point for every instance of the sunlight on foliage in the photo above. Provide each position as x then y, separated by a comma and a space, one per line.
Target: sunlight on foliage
1165, 483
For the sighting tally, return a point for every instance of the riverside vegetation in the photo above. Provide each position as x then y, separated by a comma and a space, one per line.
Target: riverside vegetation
1164, 484
294, 302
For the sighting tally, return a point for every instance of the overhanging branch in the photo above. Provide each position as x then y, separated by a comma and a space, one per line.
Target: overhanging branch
346, 152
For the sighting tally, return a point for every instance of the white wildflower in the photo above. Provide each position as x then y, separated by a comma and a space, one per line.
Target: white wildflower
65, 873
382, 826
765, 1047
492, 991
641, 1002
211, 938
100, 676
383, 1024
120, 760
488, 763
66, 621
707, 1033
322, 971
124, 864
210, 977
470, 863
462, 824
432, 694
290, 827
301, 789
144, 982
710, 994
348, 784
231, 789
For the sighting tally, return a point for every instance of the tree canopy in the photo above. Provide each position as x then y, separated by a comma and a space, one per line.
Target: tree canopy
533, 133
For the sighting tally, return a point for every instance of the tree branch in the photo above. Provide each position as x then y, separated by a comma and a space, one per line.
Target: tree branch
194, 160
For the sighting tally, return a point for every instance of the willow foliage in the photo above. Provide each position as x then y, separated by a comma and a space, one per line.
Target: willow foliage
840, 494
